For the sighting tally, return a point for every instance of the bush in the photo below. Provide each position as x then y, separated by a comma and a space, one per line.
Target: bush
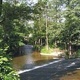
66, 54
6, 70
78, 53
74, 55
37, 48
44, 50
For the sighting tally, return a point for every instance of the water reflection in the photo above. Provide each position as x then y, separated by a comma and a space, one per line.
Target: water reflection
25, 49
30, 60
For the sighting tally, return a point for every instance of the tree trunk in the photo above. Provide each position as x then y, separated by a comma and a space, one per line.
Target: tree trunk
55, 44
70, 49
47, 45
65, 44
35, 42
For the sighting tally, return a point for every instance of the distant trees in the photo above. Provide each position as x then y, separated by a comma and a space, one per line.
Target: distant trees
62, 20
48, 21
71, 32
39, 23
54, 22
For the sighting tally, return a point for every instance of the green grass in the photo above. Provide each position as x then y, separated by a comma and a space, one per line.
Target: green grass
46, 51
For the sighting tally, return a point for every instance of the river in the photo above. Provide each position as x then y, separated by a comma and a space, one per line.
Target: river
30, 60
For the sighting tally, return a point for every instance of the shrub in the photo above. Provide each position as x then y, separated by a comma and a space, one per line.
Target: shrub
44, 50
66, 54
6, 70
78, 53
37, 48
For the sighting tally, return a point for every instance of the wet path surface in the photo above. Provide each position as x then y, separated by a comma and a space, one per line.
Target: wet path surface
52, 70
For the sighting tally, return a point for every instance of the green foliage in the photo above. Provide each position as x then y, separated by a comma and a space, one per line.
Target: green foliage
14, 25
72, 21
37, 48
12, 31
66, 54
6, 70
46, 51
0, 7
78, 53
14, 28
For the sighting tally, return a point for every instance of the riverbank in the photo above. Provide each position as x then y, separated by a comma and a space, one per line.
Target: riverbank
55, 52
52, 54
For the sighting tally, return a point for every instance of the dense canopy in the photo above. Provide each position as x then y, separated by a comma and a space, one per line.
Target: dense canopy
50, 23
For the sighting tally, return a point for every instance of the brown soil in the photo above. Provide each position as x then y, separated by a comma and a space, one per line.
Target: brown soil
75, 75
58, 50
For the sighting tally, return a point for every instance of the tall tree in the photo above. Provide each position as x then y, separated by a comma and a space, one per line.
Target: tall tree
50, 16
54, 20
72, 22
39, 23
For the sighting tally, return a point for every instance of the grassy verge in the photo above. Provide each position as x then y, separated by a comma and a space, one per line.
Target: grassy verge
46, 51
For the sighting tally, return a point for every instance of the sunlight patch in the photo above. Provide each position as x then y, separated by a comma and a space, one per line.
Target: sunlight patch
72, 64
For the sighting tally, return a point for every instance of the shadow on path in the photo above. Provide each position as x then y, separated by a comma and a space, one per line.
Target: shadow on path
53, 71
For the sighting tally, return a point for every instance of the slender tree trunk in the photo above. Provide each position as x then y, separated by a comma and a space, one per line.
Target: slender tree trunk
70, 48
65, 44
35, 42
41, 42
56, 24
55, 44
47, 45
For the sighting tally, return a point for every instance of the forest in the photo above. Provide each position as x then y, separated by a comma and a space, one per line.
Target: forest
50, 23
